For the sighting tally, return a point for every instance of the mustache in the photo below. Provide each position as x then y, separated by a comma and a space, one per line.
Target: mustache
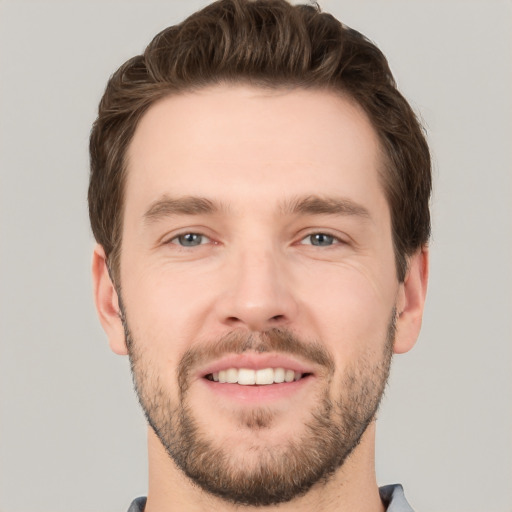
237, 342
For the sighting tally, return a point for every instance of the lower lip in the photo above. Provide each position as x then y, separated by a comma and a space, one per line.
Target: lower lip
258, 394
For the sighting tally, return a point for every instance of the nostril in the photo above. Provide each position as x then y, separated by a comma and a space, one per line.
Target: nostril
255, 320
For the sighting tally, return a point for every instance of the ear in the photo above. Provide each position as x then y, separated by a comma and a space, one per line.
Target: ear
107, 302
411, 301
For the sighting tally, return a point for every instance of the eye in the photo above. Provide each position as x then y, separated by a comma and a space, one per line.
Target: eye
320, 240
190, 240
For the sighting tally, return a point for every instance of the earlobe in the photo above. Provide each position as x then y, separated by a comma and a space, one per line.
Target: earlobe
107, 302
411, 302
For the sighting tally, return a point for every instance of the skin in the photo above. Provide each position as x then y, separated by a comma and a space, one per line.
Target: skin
253, 153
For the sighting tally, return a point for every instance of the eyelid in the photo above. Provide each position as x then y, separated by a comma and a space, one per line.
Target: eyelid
171, 238
175, 239
338, 239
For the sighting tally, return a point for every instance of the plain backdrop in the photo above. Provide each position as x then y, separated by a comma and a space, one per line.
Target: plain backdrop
72, 438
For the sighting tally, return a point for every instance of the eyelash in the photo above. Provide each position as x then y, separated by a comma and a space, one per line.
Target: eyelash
333, 239
176, 240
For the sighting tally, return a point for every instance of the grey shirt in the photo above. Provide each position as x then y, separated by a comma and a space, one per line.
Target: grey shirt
392, 496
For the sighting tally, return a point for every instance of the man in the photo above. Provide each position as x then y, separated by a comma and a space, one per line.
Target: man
259, 193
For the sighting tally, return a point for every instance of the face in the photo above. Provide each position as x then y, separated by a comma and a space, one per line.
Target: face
258, 285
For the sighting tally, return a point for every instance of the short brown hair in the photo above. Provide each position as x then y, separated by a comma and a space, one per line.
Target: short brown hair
268, 43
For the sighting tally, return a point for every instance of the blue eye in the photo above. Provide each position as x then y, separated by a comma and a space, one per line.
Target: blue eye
319, 240
190, 240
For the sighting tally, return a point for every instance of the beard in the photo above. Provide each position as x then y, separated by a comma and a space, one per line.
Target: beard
280, 473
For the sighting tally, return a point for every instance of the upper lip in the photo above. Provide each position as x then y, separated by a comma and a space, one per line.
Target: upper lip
256, 361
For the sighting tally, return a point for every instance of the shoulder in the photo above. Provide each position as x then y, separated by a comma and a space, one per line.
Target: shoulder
394, 498
138, 505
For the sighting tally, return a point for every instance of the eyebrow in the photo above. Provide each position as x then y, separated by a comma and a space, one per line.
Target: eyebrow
187, 205
315, 205
309, 205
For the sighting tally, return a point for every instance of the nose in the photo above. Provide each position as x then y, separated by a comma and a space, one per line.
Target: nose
258, 292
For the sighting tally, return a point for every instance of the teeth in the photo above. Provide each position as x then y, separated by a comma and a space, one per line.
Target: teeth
279, 375
289, 376
231, 376
265, 376
246, 377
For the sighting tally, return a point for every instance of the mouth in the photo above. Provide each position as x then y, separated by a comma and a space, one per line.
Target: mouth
259, 377
255, 378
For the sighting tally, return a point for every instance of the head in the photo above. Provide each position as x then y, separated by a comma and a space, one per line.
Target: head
270, 44
259, 192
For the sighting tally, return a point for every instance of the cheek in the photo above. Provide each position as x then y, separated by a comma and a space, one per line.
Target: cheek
350, 309
165, 310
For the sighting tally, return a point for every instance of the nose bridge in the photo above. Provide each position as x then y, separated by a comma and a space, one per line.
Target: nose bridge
259, 294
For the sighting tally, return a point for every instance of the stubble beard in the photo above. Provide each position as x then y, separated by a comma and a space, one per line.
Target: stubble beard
281, 473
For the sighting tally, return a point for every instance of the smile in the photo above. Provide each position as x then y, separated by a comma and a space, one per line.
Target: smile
248, 377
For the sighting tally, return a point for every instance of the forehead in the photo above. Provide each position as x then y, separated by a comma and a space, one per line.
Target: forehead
232, 141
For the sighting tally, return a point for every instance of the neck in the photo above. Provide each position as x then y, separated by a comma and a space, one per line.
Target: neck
353, 487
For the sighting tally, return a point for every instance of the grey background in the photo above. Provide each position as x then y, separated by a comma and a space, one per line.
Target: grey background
72, 438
